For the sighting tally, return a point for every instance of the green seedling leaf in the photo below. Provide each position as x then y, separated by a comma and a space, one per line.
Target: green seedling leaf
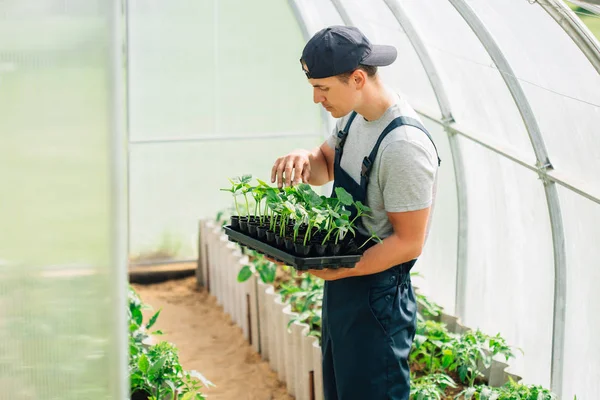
153, 320
267, 274
188, 396
157, 366
143, 364
343, 196
246, 178
361, 207
137, 316
244, 274
263, 183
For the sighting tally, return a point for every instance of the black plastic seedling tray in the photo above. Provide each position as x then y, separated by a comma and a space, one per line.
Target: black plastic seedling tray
300, 263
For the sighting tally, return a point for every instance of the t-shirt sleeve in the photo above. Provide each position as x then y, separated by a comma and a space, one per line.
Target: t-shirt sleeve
332, 139
406, 176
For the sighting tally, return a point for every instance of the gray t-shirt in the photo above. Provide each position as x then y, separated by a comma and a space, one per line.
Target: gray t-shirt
403, 176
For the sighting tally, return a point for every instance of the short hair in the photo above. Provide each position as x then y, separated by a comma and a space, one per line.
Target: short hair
370, 70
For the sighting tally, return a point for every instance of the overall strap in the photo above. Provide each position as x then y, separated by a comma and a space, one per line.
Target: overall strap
397, 122
342, 135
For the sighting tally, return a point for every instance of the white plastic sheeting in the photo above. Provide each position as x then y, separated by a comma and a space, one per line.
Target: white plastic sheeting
63, 328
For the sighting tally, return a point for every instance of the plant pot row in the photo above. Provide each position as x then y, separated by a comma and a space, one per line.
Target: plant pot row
315, 246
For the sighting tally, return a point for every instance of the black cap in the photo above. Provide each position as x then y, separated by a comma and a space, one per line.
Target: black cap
338, 49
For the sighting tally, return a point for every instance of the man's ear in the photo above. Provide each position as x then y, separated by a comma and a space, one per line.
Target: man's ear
359, 78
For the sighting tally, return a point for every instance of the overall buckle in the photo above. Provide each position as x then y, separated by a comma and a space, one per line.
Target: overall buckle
342, 139
366, 167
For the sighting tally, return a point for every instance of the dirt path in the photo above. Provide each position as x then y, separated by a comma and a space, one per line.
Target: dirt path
210, 342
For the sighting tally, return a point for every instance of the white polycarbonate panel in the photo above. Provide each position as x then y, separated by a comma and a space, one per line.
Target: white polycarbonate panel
559, 81
260, 83
174, 185
581, 367
318, 14
216, 67
62, 319
437, 264
406, 75
510, 267
171, 53
478, 96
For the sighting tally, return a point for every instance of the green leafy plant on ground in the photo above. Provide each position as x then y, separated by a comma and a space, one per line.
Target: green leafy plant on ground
265, 269
155, 372
431, 387
428, 344
510, 391
464, 353
305, 295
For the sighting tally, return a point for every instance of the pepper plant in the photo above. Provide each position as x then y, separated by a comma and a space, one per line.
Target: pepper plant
306, 298
427, 347
430, 387
510, 391
265, 269
154, 369
463, 354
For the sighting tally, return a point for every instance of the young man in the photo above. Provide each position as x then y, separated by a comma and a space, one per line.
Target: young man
382, 155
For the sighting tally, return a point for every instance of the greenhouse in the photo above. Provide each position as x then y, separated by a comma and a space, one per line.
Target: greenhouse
127, 126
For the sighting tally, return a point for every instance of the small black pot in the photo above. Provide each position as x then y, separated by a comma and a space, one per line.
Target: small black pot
235, 222
244, 224
270, 236
261, 232
320, 249
289, 244
335, 248
279, 241
350, 247
301, 249
252, 229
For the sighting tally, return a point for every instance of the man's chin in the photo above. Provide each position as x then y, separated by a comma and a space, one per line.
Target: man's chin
336, 113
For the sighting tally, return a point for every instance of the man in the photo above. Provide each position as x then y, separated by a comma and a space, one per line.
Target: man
382, 155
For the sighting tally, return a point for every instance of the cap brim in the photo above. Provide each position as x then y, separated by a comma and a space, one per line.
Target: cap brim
380, 56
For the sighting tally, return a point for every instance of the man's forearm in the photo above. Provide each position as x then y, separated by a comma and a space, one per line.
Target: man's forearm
392, 251
319, 169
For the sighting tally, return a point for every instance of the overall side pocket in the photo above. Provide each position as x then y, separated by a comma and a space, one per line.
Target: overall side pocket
381, 304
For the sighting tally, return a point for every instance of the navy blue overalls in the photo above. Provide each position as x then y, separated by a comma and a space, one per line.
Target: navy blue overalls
368, 321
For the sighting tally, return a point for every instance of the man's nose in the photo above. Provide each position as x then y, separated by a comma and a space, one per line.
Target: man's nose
317, 98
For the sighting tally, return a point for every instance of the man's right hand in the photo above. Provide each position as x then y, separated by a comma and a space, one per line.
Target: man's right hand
289, 170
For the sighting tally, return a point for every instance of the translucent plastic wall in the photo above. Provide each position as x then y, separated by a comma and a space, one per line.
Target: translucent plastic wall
512, 100
62, 274
215, 91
